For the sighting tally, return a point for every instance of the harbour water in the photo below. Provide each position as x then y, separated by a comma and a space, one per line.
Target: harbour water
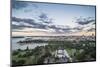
16, 45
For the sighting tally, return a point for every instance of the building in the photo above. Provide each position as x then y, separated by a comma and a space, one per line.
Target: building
62, 55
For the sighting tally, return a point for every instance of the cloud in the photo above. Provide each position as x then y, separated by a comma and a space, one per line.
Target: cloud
84, 21
78, 28
61, 28
74, 29
18, 4
94, 23
91, 29
23, 22
44, 18
29, 21
16, 27
21, 4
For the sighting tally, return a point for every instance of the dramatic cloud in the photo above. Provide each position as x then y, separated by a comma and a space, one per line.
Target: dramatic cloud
44, 18
21, 23
27, 23
84, 21
16, 27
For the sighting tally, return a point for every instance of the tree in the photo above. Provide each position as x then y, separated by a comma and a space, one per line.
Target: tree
27, 48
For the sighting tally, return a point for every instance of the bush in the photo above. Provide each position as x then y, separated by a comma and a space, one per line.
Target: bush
15, 52
14, 62
21, 62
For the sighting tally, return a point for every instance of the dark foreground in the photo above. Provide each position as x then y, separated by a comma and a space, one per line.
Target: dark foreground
56, 52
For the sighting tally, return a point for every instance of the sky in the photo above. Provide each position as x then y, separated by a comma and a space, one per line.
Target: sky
52, 18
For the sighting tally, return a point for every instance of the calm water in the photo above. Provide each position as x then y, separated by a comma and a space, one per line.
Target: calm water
16, 45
